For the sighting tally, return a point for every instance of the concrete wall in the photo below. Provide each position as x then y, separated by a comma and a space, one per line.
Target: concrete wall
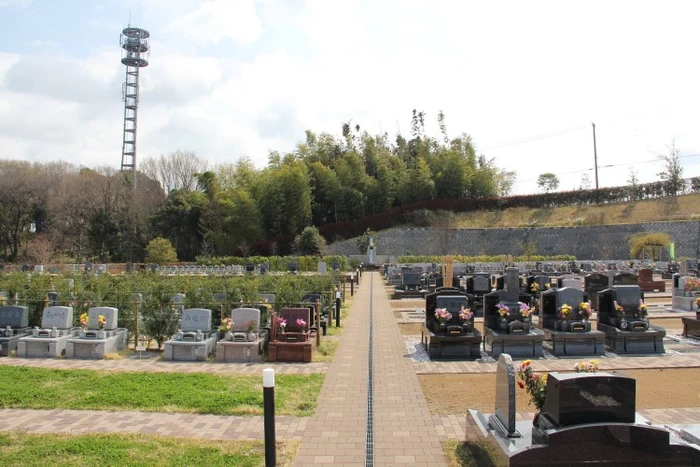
589, 242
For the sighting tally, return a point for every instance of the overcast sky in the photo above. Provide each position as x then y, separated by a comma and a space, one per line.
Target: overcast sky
233, 78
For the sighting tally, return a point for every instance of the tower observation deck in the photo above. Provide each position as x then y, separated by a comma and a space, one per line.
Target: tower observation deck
135, 53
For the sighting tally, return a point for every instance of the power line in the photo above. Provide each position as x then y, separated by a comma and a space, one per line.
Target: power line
530, 139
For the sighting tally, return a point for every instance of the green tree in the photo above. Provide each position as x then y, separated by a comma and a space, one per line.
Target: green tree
548, 182
309, 242
160, 251
672, 172
178, 219
649, 245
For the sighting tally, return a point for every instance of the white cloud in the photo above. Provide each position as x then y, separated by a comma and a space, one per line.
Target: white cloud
233, 78
215, 20
15, 3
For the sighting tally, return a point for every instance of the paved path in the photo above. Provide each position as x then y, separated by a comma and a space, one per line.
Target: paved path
404, 431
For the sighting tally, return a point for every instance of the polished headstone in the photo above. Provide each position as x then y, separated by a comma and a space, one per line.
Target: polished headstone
196, 319
504, 410
14, 316
59, 317
109, 313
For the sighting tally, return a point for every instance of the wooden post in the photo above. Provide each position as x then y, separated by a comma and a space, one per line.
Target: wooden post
136, 320
344, 282
318, 323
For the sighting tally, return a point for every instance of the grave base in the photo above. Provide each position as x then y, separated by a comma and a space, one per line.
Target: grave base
187, 351
691, 327
239, 351
516, 345
8, 344
576, 343
96, 348
682, 303
398, 295
442, 346
43, 347
289, 352
649, 341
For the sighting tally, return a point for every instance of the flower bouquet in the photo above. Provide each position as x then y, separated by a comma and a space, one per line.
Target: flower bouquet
282, 324
503, 310
534, 383
564, 312
642, 311
525, 310
586, 367
84, 321
102, 321
442, 315
465, 314
535, 287
302, 325
584, 310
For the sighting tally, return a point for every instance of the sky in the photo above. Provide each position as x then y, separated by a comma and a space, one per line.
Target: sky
240, 78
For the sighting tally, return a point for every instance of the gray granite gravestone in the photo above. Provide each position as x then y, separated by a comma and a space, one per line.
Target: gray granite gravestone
240, 344
109, 313
503, 419
59, 317
321, 267
572, 283
196, 319
14, 316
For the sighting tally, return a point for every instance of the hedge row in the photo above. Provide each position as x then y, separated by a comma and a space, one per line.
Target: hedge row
408, 259
278, 263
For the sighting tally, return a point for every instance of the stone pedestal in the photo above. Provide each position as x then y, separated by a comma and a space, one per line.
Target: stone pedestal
516, 345
97, 348
289, 352
576, 343
634, 342
8, 344
227, 351
454, 347
43, 347
190, 351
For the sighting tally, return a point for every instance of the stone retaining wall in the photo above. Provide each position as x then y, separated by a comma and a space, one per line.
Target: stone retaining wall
589, 242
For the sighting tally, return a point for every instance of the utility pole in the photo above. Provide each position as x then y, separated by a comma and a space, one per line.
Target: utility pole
595, 157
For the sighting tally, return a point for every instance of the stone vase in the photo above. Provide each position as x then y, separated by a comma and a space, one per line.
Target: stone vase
527, 322
250, 337
504, 325
468, 326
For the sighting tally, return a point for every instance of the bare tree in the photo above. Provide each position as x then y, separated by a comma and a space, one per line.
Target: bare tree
175, 171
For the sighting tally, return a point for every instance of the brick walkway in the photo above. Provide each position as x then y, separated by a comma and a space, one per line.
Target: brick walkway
404, 431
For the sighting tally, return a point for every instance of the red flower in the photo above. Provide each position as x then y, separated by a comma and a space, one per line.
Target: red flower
522, 386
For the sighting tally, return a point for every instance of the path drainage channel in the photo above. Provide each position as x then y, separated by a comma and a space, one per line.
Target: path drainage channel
369, 448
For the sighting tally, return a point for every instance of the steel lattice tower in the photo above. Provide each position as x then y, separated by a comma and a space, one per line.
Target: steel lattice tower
135, 51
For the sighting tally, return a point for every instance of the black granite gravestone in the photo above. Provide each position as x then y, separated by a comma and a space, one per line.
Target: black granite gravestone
626, 329
625, 278
594, 283
456, 337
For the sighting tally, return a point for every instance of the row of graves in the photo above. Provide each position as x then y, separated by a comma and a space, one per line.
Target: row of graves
246, 336
584, 418
565, 307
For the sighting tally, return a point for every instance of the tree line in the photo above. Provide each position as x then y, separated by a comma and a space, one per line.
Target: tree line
60, 212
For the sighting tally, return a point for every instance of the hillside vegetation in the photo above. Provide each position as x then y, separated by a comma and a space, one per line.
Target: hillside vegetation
685, 207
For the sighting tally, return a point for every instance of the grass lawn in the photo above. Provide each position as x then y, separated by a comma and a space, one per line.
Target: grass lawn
41, 388
22, 449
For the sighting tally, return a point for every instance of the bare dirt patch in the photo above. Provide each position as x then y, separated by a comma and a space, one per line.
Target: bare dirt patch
668, 323
410, 329
454, 394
